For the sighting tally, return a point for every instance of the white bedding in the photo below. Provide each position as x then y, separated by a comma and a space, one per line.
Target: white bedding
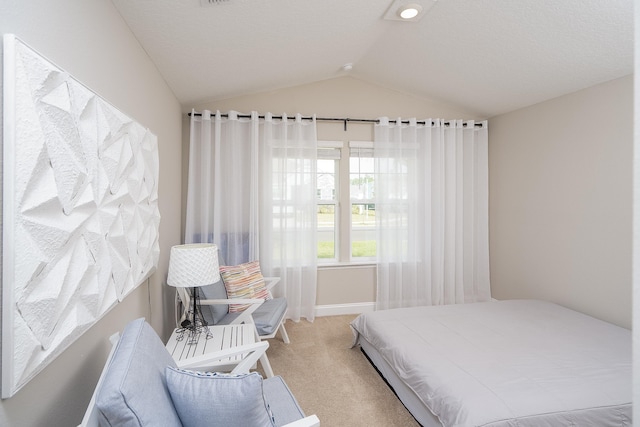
507, 363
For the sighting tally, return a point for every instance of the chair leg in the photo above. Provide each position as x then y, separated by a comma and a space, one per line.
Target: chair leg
283, 332
264, 360
266, 366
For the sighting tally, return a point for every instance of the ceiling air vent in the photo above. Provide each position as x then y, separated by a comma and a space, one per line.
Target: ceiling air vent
204, 3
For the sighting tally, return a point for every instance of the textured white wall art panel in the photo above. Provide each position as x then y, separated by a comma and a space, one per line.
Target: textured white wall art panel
80, 210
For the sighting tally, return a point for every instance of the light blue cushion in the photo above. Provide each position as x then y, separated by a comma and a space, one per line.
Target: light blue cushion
205, 399
283, 404
214, 314
266, 317
134, 391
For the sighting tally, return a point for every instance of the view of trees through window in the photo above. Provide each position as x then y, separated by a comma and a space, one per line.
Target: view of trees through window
363, 210
327, 212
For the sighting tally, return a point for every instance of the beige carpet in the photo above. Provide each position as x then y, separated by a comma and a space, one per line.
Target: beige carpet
332, 380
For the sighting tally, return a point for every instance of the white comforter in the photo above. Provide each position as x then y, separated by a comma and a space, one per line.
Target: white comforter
507, 363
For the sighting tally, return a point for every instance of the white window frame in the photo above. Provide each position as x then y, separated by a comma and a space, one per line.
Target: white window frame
343, 216
357, 145
336, 145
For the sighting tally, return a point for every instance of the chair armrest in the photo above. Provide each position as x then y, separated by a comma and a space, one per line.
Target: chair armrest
90, 418
244, 316
310, 421
252, 353
231, 301
270, 282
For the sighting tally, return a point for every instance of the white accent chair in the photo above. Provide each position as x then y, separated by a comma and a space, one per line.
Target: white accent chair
267, 316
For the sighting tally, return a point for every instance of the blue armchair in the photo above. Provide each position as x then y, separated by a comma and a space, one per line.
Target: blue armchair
142, 386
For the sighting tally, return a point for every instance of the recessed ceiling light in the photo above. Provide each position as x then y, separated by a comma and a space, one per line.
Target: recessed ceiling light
409, 11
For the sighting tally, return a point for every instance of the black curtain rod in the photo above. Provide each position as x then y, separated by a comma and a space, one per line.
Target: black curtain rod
333, 119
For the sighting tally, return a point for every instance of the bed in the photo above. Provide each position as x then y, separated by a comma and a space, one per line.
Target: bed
516, 363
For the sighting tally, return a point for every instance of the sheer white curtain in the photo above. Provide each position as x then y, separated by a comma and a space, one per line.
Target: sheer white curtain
251, 190
223, 193
288, 217
431, 212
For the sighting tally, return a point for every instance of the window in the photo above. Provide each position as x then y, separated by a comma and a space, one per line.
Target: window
362, 192
352, 229
327, 199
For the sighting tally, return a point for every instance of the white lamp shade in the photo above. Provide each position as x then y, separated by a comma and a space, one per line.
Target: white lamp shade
193, 265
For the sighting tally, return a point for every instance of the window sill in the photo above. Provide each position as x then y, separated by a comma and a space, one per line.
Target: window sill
346, 264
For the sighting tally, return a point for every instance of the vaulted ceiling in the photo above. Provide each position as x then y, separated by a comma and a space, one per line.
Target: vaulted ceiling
486, 56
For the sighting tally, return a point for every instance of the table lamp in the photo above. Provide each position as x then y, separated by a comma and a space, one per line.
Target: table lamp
191, 266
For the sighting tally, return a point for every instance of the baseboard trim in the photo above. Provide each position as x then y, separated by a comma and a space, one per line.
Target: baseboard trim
340, 309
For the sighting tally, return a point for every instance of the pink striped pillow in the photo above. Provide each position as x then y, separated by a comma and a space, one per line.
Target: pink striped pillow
243, 281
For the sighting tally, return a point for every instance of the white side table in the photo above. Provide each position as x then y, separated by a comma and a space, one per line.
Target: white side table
224, 337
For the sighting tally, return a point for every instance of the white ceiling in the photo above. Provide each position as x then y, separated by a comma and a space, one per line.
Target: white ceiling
486, 56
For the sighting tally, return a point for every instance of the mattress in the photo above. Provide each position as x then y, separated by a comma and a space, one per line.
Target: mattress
504, 363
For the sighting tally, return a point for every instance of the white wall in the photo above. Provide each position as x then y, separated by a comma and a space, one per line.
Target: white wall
560, 179
89, 40
340, 97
